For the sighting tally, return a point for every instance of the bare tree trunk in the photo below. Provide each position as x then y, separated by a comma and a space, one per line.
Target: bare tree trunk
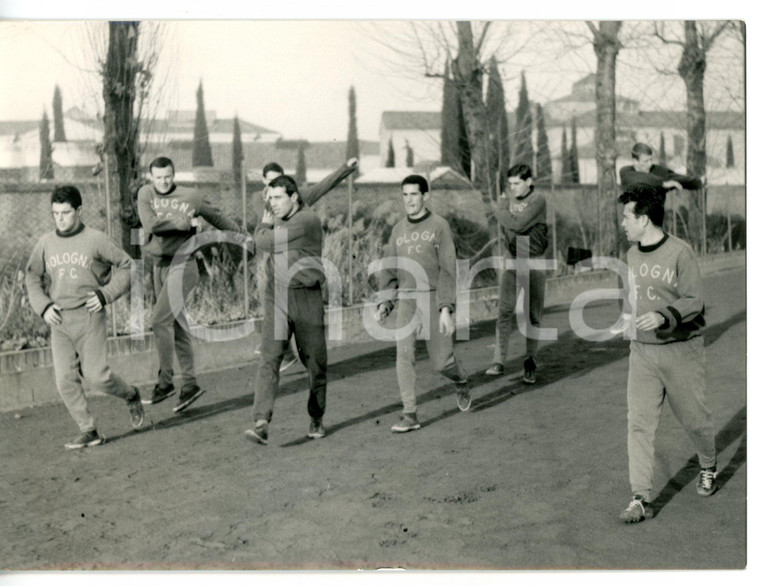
121, 127
467, 72
692, 68
606, 47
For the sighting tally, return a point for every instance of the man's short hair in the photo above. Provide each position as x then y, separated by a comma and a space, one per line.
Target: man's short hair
641, 149
649, 202
67, 194
161, 163
418, 180
272, 167
520, 170
287, 182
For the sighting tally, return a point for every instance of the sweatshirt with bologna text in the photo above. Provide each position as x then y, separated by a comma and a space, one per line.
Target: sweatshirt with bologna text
66, 268
664, 277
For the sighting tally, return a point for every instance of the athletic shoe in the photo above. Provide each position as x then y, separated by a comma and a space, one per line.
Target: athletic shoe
529, 367
159, 394
463, 396
288, 360
495, 370
706, 484
316, 429
636, 511
136, 411
86, 439
259, 434
408, 422
188, 395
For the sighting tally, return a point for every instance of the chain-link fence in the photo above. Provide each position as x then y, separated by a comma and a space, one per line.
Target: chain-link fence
231, 281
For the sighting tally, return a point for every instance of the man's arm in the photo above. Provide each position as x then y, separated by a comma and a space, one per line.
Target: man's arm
690, 302
523, 220
311, 195
658, 176
121, 271
447, 269
35, 279
387, 279
214, 216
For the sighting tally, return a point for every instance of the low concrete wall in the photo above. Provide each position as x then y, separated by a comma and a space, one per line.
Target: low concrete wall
27, 378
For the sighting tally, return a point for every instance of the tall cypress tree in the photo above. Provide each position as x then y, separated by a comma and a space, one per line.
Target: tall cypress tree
524, 133
201, 144
390, 160
543, 171
663, 154
567, 166
301, 164
46, 149
498, 128
450, 155
352, 144
729, 153
59, 133
574, 166
237, 153
409, 155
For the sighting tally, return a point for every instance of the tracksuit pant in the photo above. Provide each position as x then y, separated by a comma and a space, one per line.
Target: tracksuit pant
79, 346
509, 287
303, 316
170, 330
440, 348
675, 371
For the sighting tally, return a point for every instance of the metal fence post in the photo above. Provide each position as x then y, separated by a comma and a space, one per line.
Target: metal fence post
350, 239
554, 227
728, 214
109, 226
243, 189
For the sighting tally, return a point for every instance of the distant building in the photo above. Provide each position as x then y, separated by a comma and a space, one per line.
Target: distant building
423, 132
173, 137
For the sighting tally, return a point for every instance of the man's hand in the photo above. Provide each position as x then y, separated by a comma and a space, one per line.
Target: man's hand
267, 217
382, 312
93, 304
672, 184
446, 322
52, 315
352, 162
650, 321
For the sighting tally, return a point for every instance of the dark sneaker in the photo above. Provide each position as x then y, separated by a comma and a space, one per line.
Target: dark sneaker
85, 439
495, 370
529, 375
159, 394
259, 434
316, 429
188, 395
706, 484
636, 511
408, 422
136, 411
463, 396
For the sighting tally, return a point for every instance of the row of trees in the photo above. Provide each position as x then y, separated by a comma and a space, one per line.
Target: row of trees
484, 124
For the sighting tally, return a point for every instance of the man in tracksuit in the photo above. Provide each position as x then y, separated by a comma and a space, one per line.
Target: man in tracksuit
169, 215
424, 297
292, 234
644, 171
86, 271
309, 195
667, 349
522, 215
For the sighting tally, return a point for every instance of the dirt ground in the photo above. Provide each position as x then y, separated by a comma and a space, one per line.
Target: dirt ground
531, 477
